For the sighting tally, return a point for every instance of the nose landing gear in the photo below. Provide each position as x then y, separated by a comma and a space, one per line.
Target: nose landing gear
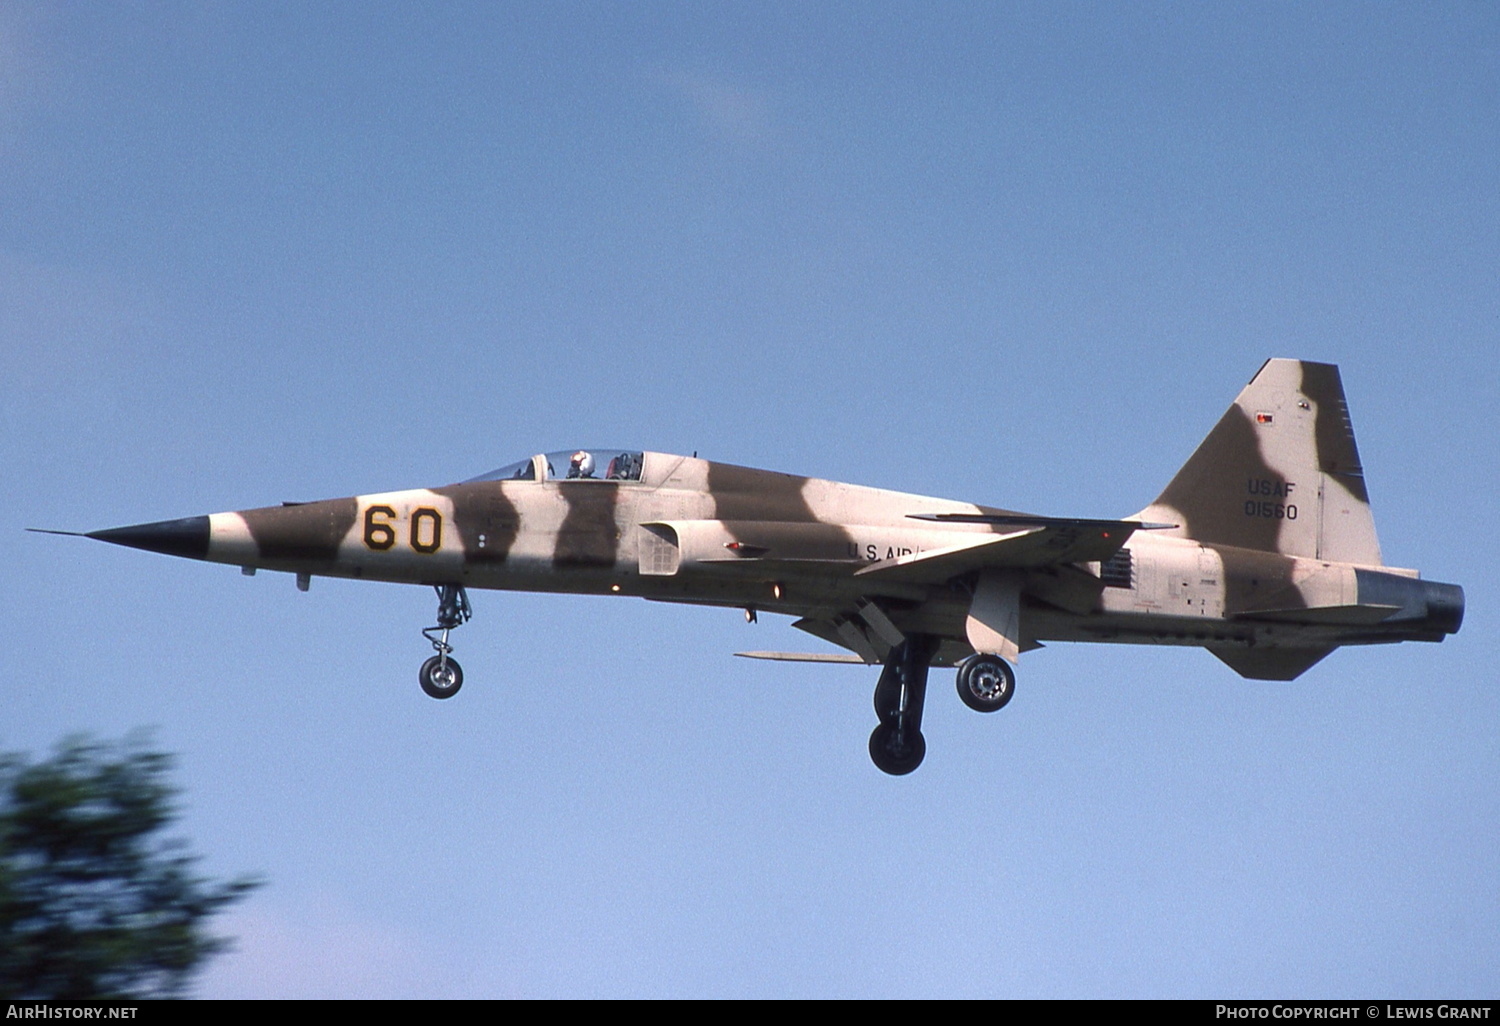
441, 676
896, 745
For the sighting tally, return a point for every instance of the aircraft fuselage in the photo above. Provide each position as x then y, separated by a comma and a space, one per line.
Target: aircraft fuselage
695, 531
1262, 549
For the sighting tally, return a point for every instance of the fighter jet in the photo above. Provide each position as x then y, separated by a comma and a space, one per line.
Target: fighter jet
1262, 550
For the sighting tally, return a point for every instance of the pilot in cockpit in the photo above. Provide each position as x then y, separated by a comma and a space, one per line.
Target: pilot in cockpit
582, 465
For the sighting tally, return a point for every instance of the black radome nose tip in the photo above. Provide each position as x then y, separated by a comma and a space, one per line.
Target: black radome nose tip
185, 537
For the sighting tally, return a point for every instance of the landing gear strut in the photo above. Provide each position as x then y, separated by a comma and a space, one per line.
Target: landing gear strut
440, 676
896, 745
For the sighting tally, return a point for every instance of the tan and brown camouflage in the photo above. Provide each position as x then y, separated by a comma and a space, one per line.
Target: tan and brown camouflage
1262, 549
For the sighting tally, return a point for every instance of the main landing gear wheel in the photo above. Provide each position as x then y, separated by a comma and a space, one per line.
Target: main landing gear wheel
986, 683
441, 677
895, 752
897, 746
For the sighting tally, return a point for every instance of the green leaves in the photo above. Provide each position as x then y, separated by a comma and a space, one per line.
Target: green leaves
93, 903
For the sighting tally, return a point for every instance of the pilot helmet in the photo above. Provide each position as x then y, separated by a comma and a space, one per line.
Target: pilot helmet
582, 464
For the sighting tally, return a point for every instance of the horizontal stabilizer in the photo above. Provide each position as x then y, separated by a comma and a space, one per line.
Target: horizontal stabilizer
1353, 616
804, 657
1270, 663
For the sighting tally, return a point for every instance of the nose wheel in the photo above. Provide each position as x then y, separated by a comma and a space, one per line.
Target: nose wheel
441, 676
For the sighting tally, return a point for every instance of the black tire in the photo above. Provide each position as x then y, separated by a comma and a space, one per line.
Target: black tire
890, 757
986, 683
433, 682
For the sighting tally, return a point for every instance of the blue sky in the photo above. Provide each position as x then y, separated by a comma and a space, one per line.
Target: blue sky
1015, 254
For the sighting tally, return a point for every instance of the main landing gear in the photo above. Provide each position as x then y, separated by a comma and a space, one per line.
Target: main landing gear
896, 745
440, 676
985, 683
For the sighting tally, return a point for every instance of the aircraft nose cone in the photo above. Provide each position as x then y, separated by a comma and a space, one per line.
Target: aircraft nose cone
185, 537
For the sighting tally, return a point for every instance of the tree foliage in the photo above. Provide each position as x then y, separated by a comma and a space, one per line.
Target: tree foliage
93, 902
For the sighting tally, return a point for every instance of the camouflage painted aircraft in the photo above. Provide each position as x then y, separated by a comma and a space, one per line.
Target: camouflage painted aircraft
1262, 549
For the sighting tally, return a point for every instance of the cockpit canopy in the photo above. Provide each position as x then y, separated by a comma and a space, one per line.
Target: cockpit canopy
572, 465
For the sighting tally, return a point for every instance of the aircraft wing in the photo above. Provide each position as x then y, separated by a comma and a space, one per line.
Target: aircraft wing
1033, 542
805, 657
931, 565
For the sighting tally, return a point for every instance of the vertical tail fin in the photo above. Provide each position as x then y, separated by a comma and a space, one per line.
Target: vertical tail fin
1280, 472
